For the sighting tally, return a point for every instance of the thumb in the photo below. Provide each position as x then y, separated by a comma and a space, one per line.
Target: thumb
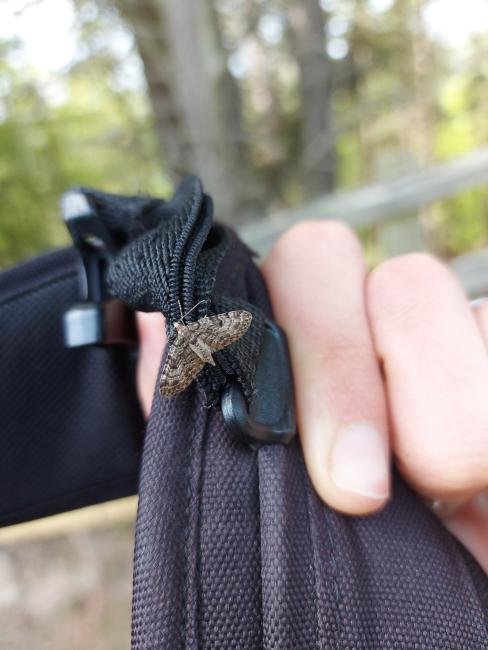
152, 339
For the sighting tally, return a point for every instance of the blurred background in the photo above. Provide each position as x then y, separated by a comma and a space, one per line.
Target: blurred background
272, 102
372, 111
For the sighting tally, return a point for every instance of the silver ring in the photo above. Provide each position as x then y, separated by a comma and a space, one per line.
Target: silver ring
477, 302
444, 508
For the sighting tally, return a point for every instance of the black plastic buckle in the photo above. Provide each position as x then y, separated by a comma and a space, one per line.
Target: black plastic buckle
99, 319
270, 417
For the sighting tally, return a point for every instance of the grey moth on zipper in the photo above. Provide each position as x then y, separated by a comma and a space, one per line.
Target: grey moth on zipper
194, 345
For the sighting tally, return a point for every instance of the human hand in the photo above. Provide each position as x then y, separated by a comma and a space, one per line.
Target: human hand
390, 363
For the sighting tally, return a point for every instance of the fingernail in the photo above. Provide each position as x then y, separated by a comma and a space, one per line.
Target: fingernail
359, 461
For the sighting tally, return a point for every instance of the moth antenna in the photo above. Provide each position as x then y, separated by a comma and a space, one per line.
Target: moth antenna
181, 313
190, 310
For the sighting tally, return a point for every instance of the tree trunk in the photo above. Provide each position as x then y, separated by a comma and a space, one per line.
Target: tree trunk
307, 23
146, 21
195, 100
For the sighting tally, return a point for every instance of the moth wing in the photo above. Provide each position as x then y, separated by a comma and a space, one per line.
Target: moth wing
181, 367
221, 330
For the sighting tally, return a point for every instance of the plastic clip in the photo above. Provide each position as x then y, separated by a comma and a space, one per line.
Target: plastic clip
99, 319
270, 416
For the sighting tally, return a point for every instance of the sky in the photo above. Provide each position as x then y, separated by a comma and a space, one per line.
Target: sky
47, 27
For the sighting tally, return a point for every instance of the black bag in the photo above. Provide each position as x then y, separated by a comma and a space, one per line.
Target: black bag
233, 547
71, 427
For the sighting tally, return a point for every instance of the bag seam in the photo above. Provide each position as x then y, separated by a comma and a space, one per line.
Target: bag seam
333, 565
47, 284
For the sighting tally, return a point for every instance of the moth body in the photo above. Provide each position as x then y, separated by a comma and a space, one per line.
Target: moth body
194, 345
203, 351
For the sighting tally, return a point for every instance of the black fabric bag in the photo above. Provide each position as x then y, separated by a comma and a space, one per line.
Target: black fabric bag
70, 424
234, 550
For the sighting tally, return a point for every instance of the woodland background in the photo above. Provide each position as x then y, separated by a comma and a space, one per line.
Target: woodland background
272, 103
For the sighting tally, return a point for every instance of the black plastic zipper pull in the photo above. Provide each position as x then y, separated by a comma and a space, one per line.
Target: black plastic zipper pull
270, 416
99, 319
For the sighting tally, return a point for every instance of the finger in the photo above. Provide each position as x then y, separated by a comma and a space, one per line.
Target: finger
316, 275
152, 339
468, 519
467, 513
436, 369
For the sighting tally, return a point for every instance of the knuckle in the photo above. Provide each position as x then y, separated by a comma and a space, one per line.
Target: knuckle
317, 234
403, 280
410, 271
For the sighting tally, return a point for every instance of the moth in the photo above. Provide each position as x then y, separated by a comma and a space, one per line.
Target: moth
194, 345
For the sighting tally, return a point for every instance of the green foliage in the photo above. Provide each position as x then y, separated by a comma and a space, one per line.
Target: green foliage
461, 222
400, 100
95, 135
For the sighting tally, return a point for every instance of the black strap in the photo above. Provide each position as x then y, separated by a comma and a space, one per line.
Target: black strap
71, 427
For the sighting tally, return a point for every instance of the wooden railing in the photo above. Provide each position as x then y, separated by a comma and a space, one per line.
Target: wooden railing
386, 202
